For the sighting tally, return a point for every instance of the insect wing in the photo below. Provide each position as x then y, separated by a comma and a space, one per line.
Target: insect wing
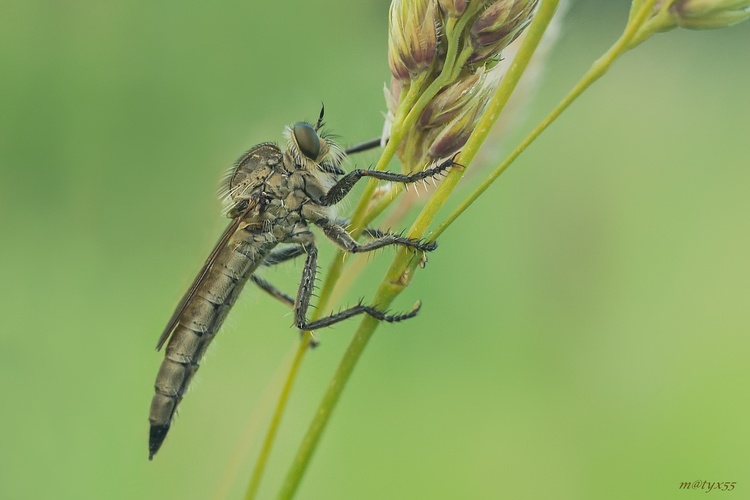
225, 237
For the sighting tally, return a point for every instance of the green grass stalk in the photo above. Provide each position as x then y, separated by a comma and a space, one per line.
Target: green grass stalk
398, 276
597, 70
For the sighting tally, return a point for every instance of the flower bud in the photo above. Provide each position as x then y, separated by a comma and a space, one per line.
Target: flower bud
497, 26
412, 37
453, 8
709, 14
449, 101
392, 96
452, 136
694, 14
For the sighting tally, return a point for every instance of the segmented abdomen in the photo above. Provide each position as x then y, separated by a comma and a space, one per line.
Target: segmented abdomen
199, 323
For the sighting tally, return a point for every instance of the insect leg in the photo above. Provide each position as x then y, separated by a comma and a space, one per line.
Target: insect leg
283, 254
273, 291
278, 256
372, 232
364, 146
305, 293
338, 234
306, 286
346, 183
360, 309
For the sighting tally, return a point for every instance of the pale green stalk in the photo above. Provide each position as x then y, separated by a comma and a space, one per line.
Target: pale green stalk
399, 275
260, 465
409, 109
412, 100
401, 271
597, 70
323, 300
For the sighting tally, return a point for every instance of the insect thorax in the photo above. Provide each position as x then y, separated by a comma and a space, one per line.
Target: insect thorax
283, 187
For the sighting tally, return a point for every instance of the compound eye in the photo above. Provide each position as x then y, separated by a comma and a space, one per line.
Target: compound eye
307, 140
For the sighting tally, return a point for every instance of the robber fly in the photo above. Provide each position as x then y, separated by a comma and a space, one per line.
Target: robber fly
273, 197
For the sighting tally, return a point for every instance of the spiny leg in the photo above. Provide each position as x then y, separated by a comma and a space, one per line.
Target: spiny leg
273, 291
372, 232
346, 183
339, 235
279, 255
361, 309
305, 291
365, 146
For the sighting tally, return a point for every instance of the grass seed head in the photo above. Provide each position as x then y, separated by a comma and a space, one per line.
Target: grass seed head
451, 100
694, 14
452, 8
412, 37
457, 43
497, 26
709, 14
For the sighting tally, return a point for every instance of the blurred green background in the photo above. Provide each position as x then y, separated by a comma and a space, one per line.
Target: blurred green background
585, 325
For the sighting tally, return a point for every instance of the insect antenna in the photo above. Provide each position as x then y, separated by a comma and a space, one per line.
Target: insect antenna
320, 118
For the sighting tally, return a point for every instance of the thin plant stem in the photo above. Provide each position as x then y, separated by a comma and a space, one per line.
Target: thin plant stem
418, 96
399, 275
397, 278
323, 300
260, 464
597, 70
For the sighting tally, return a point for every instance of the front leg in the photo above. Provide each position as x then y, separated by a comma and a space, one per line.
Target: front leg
365, 146
343, 186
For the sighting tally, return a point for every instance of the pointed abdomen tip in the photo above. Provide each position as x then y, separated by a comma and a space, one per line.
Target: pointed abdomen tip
156, 437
